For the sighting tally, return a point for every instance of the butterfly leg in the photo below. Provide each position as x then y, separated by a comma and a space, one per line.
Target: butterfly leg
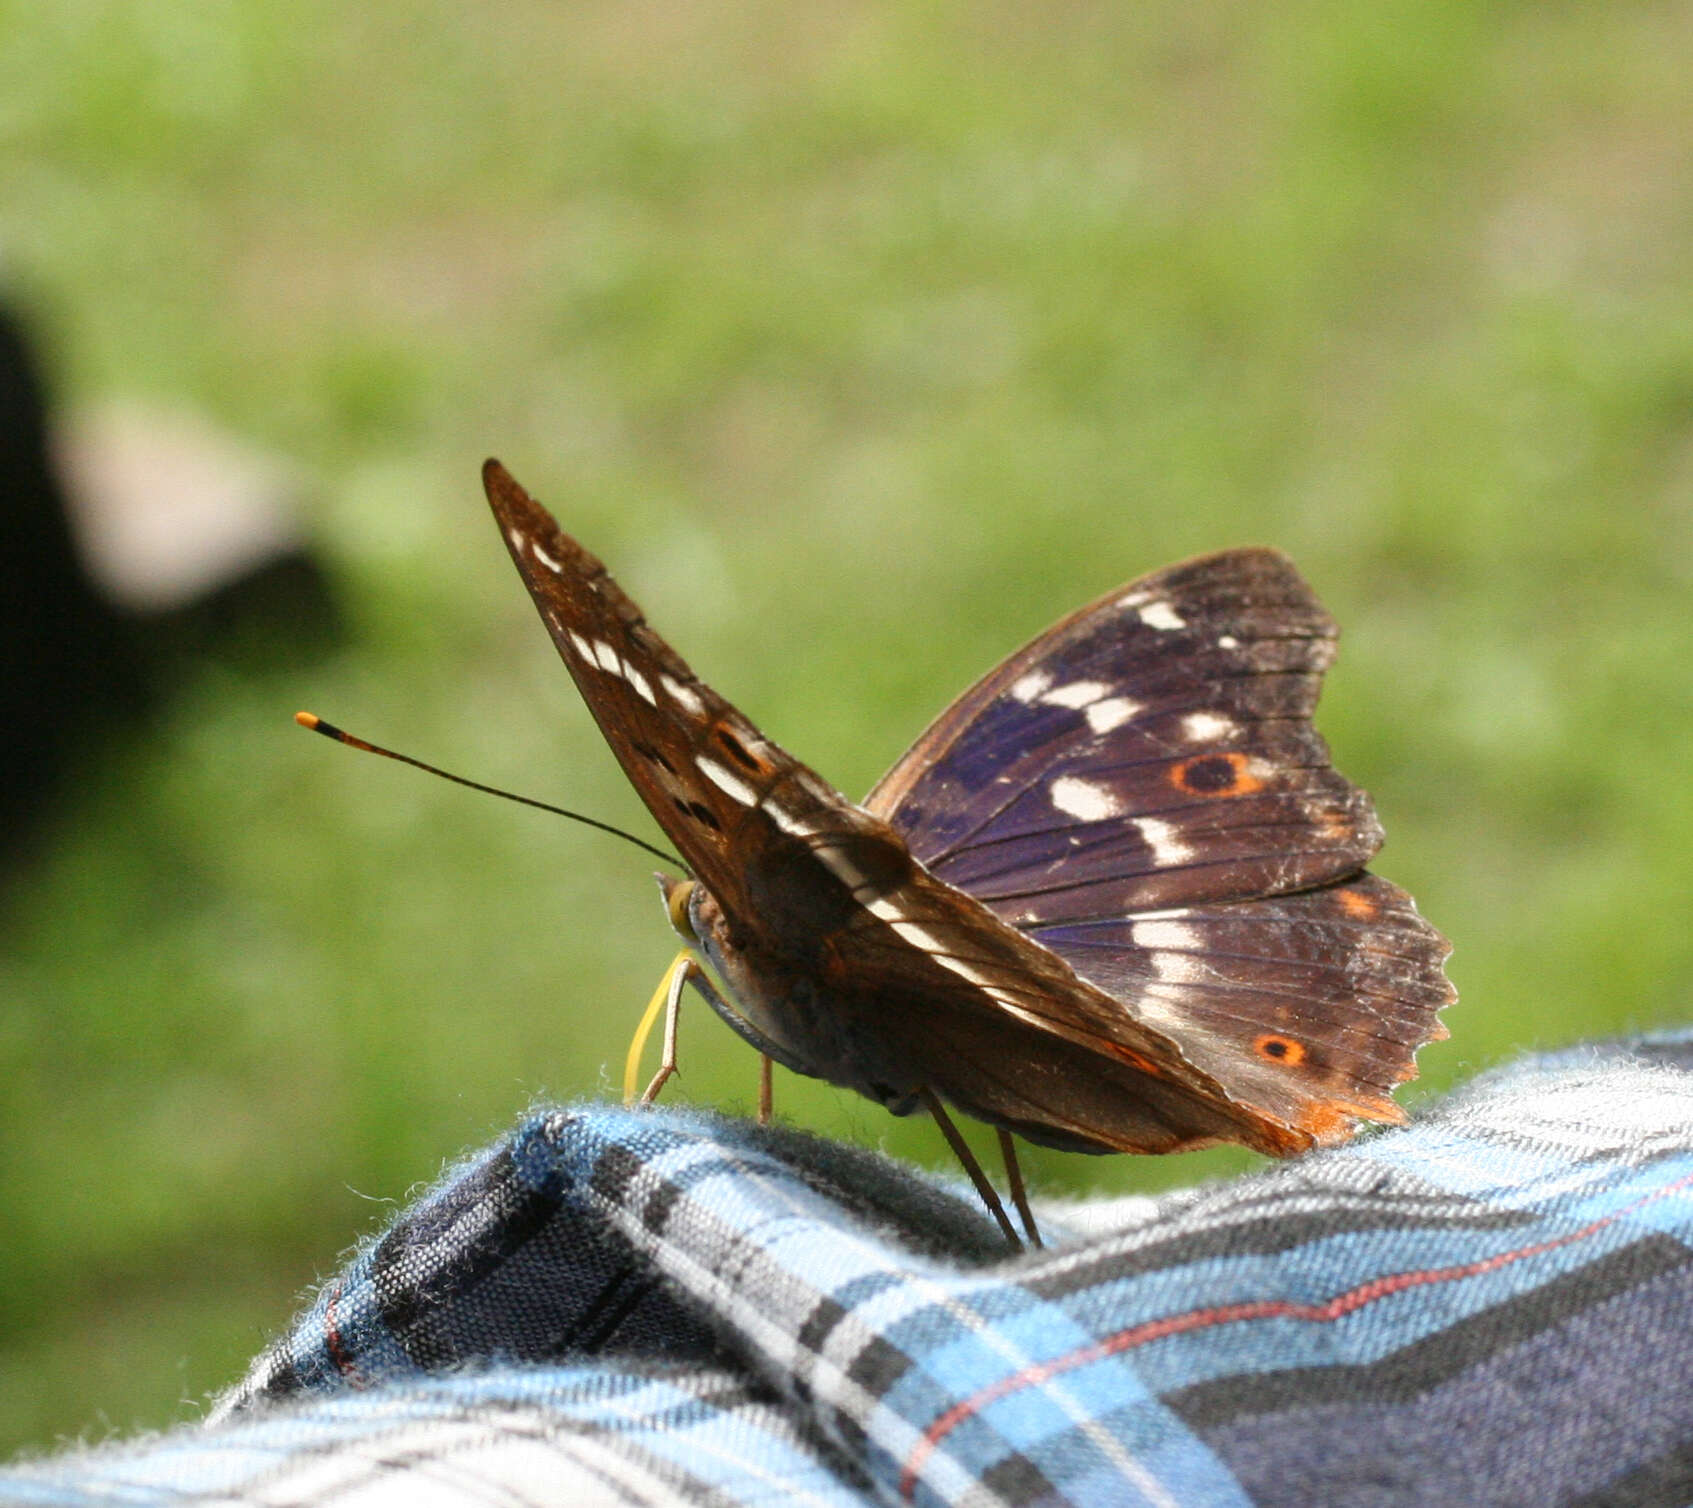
707, 992
672, 1017
961, 1150
1019, 1195
669, 995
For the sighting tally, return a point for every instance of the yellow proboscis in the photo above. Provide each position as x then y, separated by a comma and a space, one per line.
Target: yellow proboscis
632, 1063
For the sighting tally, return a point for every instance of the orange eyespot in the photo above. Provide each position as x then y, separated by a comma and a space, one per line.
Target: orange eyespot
1279, 1049
1215, 775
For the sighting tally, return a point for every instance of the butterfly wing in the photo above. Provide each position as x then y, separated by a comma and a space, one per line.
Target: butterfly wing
720, 790
1152, 749
1310, 1006
1141, 791
928, 987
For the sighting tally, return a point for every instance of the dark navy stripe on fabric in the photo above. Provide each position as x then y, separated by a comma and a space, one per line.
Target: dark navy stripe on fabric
878, 1366
820, 1323
1666, 1480
1448, 1351
614, 1170
487, 1219
606, 1312
1560, 1408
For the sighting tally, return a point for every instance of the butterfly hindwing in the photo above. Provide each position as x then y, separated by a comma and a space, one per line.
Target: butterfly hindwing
1005, 1029
1309, 1006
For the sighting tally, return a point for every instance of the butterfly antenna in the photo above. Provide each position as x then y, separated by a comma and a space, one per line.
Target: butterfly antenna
329, 730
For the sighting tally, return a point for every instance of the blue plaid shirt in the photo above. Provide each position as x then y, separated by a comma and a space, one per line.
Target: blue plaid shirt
1493, 1305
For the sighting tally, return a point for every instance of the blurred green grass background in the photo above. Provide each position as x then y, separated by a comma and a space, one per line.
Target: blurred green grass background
863, 342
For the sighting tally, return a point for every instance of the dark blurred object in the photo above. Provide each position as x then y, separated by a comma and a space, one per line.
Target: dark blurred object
160, 543
71, 662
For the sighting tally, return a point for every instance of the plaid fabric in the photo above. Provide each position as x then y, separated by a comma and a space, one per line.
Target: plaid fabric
1494, 1305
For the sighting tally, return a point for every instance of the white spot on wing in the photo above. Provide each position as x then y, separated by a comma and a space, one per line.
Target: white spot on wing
913, 932
683, 694
1077, 694
1178, 968
1084, 799
1111, 713
1165, 936
1208, 727
545, 559
1027, 688
935, 947
583, 647
1228, 641
1155, 1012
789, 823
1161, 616
726, 781
849, 874
610, 661
642, 686
1161, 837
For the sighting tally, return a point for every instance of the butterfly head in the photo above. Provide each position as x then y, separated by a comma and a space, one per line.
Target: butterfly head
697, 918
678, 900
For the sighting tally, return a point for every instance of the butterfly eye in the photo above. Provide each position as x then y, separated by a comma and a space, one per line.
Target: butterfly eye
1215, 775
676, 900
1279, 1049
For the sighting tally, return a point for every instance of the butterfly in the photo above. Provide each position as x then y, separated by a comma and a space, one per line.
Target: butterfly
1113, 899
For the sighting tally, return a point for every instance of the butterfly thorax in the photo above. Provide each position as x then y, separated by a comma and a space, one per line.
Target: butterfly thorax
785, 1004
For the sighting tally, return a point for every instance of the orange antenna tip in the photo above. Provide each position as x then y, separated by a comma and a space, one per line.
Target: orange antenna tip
307, 719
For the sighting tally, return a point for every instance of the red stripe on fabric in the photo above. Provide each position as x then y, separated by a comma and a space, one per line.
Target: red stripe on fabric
338, 1352
1338, 1307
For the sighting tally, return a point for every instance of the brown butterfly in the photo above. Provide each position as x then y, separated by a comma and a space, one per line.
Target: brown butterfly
1112, 900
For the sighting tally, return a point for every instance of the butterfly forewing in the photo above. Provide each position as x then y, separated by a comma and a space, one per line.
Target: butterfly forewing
1151, 750
706, 774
